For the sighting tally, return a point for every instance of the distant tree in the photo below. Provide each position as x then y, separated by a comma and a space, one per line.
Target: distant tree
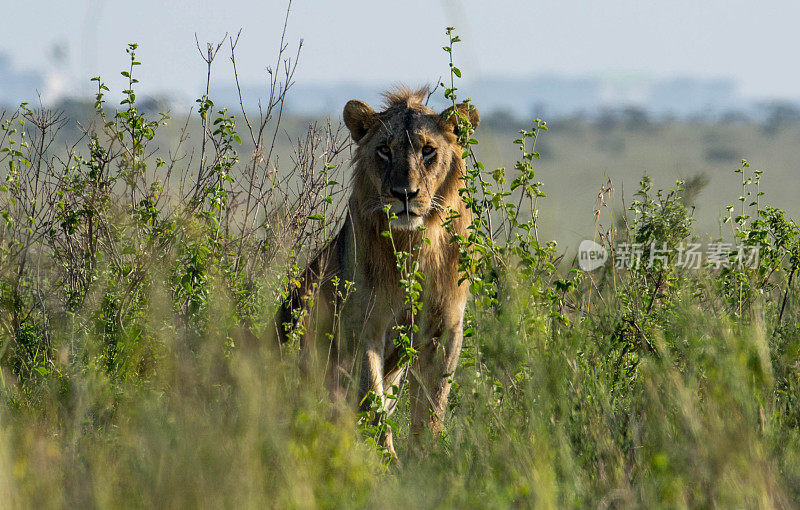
627, 117
735, 117
635, 117
779, 114
501, 121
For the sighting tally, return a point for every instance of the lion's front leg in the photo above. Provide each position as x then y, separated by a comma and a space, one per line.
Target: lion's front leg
372, 376
432, 378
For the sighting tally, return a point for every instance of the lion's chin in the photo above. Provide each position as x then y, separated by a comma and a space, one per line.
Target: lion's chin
406, 221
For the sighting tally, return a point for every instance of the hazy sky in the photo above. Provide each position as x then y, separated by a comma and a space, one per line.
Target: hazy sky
383, 42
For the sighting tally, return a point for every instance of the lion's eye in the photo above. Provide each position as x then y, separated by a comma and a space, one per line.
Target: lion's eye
428, 150
384, 151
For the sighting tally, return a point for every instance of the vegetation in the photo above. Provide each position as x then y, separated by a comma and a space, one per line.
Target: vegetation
140, 366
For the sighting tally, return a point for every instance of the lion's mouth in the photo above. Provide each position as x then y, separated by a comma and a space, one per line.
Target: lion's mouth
407, 219
407, 215
407, 212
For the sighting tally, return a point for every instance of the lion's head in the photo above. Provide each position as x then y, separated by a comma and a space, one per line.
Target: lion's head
407, 157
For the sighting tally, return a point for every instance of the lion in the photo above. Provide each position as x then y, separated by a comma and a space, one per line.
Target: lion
407, 159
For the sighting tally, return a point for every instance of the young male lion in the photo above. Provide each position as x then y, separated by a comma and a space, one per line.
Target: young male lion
407, 157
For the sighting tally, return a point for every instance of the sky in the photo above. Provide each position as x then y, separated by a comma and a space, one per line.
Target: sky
382, 42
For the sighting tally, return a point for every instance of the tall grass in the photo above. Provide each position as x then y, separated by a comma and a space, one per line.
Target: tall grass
140, 366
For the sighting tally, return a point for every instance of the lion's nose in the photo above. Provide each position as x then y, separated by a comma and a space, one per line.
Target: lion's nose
404, 194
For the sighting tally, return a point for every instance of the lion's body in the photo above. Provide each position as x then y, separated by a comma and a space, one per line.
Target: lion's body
406, 147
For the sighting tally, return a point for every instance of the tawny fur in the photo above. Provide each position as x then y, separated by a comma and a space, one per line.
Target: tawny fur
411, 148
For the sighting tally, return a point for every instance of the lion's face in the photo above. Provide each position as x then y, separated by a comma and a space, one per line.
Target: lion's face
406, 153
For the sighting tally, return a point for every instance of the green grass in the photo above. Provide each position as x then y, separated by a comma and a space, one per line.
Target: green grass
541, 416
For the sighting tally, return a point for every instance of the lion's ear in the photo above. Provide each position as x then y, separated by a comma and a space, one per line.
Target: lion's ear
449, 119
358, 118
